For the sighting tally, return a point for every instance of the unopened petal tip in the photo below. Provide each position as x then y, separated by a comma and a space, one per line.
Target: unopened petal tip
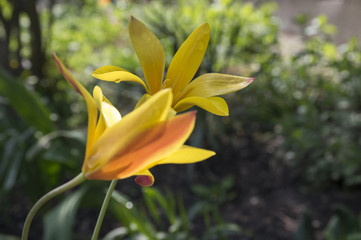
144, 180
250, 80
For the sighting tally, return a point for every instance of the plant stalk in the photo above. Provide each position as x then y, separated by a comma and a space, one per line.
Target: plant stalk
103, 210
66, 186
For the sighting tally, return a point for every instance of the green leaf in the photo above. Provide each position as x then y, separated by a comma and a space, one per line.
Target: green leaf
59, 222
151, 205
342, 224
117, 233
133, 219
354, 236
221, 231
25, 103
8, 237
305, 230
12, 158
153, 196
46, 141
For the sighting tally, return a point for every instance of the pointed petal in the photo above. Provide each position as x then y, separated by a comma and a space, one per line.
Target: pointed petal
145, 178
214, 84
146, 96
110, 113
117, 74
146, 148
92, 109
119, 135
215, 105
142, 100
101, 126
187, 59
150, 53
187, 154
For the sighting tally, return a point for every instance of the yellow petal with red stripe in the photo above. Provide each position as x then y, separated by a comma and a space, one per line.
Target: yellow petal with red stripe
92, 109
117, 136
146, 148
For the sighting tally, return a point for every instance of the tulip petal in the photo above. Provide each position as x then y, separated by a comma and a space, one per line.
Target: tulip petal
187, 154
150, 53
215, 105
109, 112
117, 74
145, 178
101, 126
214, 84
187, 59
92, 109
146, 148
142, 100
145, 97
119, 135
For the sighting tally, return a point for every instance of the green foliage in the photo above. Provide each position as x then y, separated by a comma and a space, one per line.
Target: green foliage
210, 198
27, 157
306, 107
305, 229
25, 103
165, 216
8, 237
343, 225
59, 222
241, 34
88, 36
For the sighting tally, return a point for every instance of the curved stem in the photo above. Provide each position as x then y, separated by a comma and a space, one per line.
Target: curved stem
66, 186
103, 209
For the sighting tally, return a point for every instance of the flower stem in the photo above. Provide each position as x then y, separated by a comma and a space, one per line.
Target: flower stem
103, 209
66, 186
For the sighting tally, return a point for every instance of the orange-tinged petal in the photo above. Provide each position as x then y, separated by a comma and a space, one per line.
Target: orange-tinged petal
150, 53
187, 59
117, 74
92, 109
147, 148
119, 135
215, 105
145, 178
214, 84
187, 154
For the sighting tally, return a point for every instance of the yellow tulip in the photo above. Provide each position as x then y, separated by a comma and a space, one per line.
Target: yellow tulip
201, 92
119, 147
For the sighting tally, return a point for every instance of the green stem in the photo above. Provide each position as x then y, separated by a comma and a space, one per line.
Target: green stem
66, 186
103, 209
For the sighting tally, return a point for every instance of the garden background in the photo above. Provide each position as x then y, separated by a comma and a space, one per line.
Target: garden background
288, 163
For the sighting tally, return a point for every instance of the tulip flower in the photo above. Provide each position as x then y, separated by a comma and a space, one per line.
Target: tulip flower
202, 91
119, 147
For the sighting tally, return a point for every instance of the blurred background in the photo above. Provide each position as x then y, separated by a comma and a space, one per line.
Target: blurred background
288, 163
